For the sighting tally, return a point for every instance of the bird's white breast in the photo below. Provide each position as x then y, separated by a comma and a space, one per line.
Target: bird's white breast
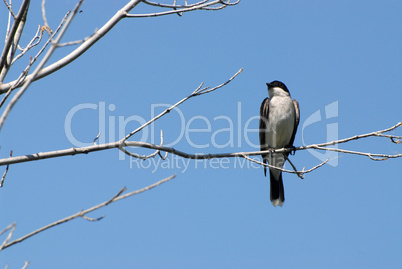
281, 120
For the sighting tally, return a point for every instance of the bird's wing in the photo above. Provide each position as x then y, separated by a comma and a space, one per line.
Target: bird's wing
264, 111
297, 118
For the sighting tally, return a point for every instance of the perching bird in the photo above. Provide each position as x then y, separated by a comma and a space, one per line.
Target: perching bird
279, 118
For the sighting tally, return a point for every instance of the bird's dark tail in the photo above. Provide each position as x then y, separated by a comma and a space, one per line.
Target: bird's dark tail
277, 193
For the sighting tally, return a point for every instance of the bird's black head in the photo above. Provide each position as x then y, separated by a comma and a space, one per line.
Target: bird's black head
278, 84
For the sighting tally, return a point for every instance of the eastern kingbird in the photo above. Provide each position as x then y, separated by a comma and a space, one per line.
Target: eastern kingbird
279, 118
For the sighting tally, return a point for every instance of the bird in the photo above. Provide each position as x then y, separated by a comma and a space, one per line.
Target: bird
279, 118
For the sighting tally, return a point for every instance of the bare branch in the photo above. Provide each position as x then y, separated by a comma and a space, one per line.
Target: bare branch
86, 150
223, 5
18, 95
21, 77
159, 152
92, 219
117, 195
77, 52
174, 4
373, 156
121, 14
268, 165
207, 90
52, 36
15, 35
35, 41
9, 24
96, 138
45, 24
134, 155
159, 148
197, 92
202, 5
10, 227
299, 174
25, 265
377, 133
9, 8
70, 43
5, 172
313, 168
10, 38
394, 139
123, 143
144, 157
7, 228
24, 73
82, 213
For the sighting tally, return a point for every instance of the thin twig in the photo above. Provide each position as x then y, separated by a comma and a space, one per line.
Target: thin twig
82, 213
268, 165
76, 42
25, 265
299, 174
134, 155
174, 4
208, 90
9, 24
224, 4
24, 73
80, 50
394, 139
11, 35
18, 95
116, 195
10, 227
144, 157
96, 138
197, 92
14, 44
92, 219
202, 5
373, 156
45, 24
9, 8
7, 228
159, 152
34, 42
19, 80
5, 172
121, 14
313, 168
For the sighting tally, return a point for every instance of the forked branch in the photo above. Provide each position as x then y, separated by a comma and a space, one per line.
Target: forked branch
28, 81
89, 41
180, 9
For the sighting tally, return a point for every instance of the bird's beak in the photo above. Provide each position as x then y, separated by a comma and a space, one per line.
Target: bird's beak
269, 85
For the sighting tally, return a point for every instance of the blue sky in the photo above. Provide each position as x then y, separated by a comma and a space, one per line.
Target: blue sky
342, 216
